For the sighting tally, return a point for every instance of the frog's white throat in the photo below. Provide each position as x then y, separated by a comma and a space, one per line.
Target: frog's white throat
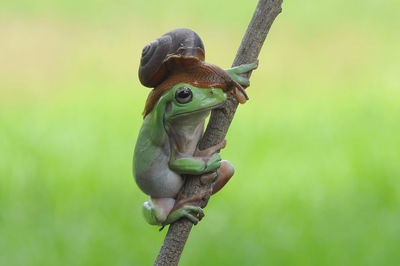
184, 132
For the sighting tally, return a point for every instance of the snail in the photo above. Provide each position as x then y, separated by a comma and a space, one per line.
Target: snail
178, 56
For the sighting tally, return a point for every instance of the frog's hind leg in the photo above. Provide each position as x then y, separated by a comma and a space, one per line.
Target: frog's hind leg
161, 211
156, 210
225, 173
220, 177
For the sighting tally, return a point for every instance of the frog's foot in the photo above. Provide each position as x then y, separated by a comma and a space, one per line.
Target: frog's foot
210, 151
163, 211
235, 71
193, 213
211, 156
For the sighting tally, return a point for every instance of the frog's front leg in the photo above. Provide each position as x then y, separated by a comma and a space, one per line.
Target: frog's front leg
194, 165
234, 71
162, 211
222, 175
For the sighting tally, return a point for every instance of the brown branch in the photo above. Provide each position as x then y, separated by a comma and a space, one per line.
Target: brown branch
178, 232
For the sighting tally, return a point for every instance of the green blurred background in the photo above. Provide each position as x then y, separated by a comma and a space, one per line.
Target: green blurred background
316, 149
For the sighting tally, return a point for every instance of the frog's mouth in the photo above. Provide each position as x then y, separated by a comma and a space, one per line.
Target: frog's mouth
198, 110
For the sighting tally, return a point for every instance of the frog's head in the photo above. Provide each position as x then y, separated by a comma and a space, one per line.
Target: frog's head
186, 99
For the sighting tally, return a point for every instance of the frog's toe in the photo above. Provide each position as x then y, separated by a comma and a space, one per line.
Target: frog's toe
213, 163
247, 67
241, 69
251, 66
242, 80
192, 218
193, 213
199, 213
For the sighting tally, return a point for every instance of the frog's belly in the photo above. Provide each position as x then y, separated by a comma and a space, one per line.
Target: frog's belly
159, 181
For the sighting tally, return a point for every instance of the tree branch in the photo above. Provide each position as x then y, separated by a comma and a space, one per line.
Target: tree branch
178, 232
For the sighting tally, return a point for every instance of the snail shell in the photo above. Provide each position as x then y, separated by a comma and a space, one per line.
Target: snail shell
181, 42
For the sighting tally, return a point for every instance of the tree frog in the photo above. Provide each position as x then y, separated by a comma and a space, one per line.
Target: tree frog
166, 148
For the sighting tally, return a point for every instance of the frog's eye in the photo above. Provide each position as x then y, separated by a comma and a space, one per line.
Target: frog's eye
183, 95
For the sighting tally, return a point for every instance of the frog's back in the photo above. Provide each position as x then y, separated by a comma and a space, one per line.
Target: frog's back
151, 169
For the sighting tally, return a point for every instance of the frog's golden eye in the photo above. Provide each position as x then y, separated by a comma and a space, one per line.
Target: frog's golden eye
183, 95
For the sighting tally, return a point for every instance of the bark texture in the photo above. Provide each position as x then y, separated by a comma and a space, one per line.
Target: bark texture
178, 232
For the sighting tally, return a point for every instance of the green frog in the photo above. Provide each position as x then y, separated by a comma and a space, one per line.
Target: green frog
167, 146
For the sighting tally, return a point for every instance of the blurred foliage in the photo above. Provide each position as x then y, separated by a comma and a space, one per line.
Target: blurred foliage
316, 149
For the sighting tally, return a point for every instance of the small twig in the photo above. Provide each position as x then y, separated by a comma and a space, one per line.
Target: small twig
178, 232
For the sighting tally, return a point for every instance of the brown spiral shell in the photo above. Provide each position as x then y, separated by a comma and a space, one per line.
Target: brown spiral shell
181, 42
